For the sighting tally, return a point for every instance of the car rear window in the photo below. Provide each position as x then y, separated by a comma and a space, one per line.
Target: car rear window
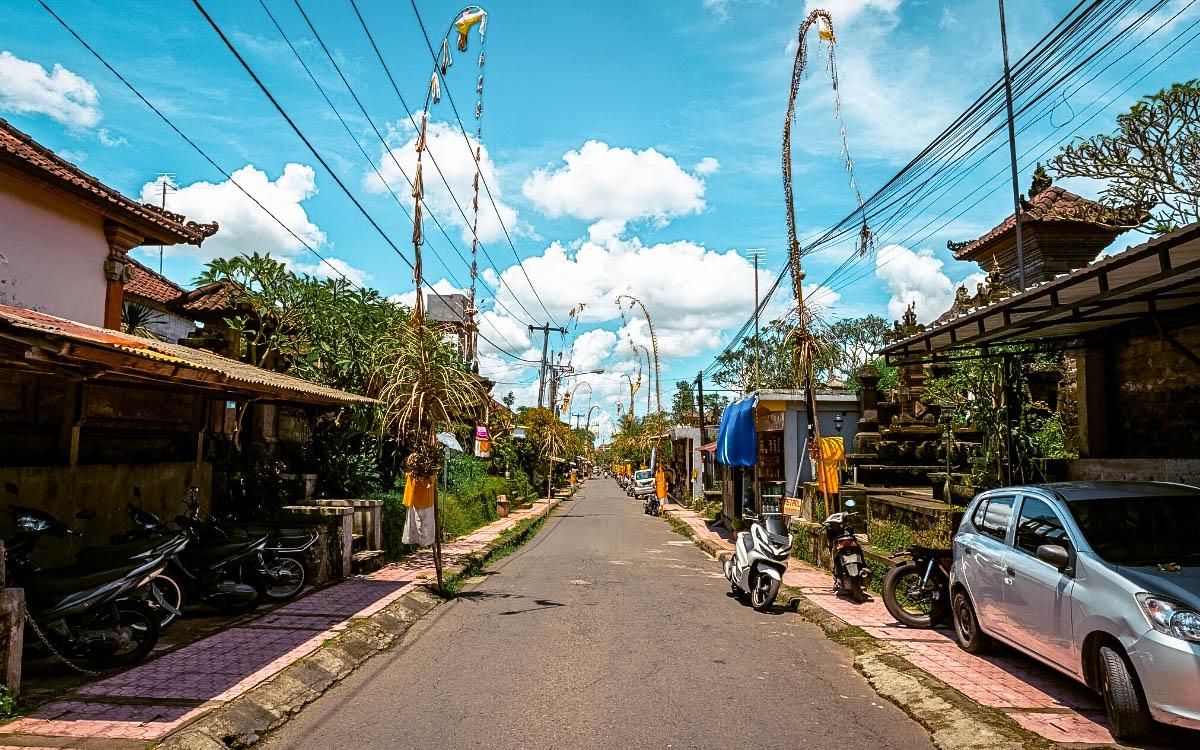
992, 516
1142, 530
642, 474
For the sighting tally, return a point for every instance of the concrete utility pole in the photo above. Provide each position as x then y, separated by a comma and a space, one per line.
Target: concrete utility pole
756, 256
700, 403
1012, 151
545, 329
166, 183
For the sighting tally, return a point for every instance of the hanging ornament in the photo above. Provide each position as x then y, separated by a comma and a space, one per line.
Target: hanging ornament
470, 16
435, 88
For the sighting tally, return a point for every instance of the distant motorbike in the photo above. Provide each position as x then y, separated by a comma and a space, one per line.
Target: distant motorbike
83, 611
916, 591
850, 571
760, 559
651, 505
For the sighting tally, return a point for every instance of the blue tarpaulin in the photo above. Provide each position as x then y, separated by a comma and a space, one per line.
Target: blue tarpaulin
736, 440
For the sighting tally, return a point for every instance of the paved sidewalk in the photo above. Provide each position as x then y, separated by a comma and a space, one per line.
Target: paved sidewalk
159, 696
1034, 696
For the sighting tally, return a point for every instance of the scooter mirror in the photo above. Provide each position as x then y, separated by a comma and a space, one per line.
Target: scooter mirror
12, 488
85, 515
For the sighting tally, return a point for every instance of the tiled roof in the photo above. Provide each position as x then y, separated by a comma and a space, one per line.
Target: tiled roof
122, 352
219, 296
149, 285
1054, 204
22, 153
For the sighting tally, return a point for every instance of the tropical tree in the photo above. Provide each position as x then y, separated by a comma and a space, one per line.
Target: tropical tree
683, 403
136, 320
1151, 162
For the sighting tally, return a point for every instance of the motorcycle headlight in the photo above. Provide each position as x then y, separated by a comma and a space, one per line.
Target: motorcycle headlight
1171, 617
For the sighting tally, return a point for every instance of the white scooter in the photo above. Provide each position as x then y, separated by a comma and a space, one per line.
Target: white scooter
760, 559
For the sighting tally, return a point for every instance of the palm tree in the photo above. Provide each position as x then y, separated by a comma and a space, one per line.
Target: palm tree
136, 320
423, 385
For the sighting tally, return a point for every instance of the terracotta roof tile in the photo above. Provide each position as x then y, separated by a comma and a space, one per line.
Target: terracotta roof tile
149, 285
219, 296
1054, 204
190, 365
20, 151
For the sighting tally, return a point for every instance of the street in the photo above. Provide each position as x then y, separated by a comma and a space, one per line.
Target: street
606, 630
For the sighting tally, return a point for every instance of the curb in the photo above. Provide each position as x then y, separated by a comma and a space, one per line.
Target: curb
243, 720
954, 721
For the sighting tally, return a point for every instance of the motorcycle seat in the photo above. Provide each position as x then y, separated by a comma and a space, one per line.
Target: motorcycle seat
74, 578
116, 553
205, 554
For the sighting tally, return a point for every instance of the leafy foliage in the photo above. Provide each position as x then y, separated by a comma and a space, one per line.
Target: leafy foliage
683, 403
137, 320
1151, 161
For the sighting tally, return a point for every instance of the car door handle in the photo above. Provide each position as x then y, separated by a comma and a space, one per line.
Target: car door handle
1010, 572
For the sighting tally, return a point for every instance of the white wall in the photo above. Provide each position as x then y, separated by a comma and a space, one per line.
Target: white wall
52, 254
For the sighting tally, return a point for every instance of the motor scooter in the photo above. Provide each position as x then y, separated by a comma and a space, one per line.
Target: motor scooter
760, 558
850, 571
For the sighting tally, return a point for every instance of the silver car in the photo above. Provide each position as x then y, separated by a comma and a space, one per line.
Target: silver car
1100, 580
643, 482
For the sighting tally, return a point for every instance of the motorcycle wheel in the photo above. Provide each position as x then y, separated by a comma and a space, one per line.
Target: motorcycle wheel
172, 593
856, 590
137, 633
286, 579
763, 592
904, 599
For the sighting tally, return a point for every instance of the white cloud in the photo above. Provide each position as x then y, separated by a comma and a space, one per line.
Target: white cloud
706, 166
447, 146
615, 185
719, 8
844, 11
28, 88
331, 267
917, 277
441, 286
591, 348
244, 227
948, 20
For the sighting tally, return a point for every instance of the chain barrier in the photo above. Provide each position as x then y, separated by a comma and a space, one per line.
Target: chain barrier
46, 642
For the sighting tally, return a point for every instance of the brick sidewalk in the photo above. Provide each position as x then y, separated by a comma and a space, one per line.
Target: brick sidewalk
159, 696
1035, 696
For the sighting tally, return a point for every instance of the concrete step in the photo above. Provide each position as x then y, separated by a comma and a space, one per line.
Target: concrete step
367, 561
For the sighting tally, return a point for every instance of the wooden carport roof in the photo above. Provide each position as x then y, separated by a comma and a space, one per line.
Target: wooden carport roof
34, 341
1159, 277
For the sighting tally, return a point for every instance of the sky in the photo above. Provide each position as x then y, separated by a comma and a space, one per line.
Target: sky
630, 148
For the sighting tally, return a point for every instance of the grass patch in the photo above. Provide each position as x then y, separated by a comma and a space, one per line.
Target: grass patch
681, 528
509, 541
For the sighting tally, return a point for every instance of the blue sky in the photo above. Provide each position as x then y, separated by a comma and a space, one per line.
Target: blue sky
633, 146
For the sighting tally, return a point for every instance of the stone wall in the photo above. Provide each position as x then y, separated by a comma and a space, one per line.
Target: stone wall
1155, 391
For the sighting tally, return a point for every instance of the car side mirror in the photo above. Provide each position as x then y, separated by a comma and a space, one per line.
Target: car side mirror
1055, 555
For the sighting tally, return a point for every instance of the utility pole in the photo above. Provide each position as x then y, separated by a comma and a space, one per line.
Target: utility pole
700, 403
166, 183
1012, 151
756, 256
545, 329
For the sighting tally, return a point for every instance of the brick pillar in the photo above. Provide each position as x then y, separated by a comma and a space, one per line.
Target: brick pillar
1093, 404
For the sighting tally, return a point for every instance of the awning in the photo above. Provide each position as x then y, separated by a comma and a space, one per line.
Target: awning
708, 447
36, 341
736, 440
1157, 278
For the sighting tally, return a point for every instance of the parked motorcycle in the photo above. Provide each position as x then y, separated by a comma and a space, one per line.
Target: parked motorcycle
850, 571
80, 611
760, 559
917, 590
651, 505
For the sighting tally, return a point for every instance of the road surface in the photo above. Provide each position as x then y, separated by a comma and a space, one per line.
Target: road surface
607, 630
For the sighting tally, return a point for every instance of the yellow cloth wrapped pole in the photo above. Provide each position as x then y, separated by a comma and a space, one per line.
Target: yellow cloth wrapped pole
831, 456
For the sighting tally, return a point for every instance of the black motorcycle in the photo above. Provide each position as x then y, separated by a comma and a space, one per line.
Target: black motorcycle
916, 590
850, 571
82, 611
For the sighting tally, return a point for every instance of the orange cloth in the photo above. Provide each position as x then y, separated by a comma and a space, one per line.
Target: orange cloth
418, 492
829, 464
660, 484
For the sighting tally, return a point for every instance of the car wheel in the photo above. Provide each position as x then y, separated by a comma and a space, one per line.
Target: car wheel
967, 632
1123, 699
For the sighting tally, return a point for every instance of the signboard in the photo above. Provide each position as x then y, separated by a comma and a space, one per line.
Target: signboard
791, 506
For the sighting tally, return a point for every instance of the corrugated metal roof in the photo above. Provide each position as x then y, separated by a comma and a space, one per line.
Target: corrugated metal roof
194, 366
1159, 276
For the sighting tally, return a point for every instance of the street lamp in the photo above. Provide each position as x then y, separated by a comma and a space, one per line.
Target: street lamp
838, 420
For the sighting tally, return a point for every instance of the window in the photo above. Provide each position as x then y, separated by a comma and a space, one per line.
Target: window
992, 516
1139, 531
1037, 525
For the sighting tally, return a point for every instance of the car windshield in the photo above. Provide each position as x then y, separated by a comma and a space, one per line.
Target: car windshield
1142, 530
642, 474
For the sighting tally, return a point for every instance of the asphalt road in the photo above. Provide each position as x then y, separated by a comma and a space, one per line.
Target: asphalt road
606, 630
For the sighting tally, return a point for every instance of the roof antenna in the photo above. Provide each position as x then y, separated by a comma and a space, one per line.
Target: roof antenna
166, 182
